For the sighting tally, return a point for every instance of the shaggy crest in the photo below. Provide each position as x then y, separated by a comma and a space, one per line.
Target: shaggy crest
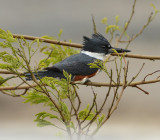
96, 38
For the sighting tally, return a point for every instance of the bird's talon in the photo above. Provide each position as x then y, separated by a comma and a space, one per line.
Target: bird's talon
85, 80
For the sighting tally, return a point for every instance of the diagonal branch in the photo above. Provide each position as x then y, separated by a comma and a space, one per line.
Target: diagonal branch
150, 74
48, 40
146, 92
129, 21
14, 95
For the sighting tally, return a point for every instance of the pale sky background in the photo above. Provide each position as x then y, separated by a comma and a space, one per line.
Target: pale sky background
138, 115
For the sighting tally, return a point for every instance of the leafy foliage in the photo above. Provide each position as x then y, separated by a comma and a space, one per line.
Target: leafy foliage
85, 113
11, 61
41, 119
36, 97
114, 28
55, 53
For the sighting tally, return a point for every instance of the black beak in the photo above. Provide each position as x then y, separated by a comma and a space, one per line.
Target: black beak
119, 50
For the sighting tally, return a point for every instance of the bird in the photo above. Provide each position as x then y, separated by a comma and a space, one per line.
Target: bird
94, 48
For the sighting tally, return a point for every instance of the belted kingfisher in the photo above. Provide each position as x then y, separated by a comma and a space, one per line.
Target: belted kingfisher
94, 48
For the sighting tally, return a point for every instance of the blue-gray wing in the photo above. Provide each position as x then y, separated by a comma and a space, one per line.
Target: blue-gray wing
75, 65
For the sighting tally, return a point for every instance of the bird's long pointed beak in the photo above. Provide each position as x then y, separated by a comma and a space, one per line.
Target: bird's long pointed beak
119, 50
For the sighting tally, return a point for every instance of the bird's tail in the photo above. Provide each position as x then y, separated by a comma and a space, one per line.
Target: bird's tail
41, 74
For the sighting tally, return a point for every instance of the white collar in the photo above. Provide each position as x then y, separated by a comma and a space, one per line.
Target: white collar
99, 56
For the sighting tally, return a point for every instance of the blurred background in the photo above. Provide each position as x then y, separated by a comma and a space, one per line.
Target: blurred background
138, 115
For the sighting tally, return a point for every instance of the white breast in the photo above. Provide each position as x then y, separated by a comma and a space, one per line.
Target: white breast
99, 56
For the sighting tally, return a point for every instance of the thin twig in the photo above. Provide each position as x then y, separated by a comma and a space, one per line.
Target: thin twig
120, 95
128, 22
9, 72
134, 77
93, 104
14, 95
141, 31
74, 108
94, 25
94, 94
142, 90
104, 102
150, 74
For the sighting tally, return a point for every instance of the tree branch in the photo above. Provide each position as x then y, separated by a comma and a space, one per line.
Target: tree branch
97, 84
75, 45
128, 22
9, 72
150, 74
142, 90
14, 95
48, 40
138, 56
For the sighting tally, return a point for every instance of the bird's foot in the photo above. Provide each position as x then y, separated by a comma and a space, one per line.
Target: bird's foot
85, 80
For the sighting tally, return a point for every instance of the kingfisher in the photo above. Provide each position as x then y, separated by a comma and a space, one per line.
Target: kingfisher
94, 48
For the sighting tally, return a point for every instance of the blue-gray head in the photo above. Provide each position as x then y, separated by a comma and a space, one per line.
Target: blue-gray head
99, 44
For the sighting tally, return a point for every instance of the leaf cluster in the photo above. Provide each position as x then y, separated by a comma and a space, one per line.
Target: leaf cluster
54, 97
41, 119
55, 53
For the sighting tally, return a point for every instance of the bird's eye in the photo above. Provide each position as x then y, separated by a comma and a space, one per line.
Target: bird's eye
109, 46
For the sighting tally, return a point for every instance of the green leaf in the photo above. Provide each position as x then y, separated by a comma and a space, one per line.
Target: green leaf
61, 86
84, 113
48, 37
43, 115
126, 24
114, 27
115, 51
57, 53
43, 48
93, 65
117, 19
7, 35
10, 37
42, 123
100, 119
3, 34
68, 76
12, 61
97, 64
154, 7
2, 80
45, 63
50, 81
3, 45
65, 110
5, 66
104, 21
35, 97
60, 33
72, 125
